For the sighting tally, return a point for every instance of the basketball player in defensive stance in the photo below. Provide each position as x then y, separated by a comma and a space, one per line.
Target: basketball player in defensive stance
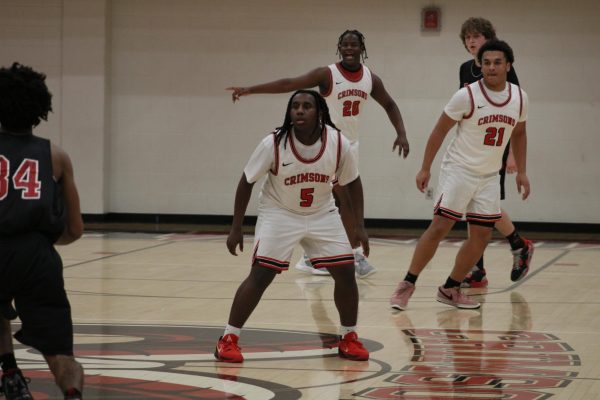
297, 207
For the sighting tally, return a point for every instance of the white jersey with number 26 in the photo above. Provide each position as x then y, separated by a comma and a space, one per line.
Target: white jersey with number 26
348, 93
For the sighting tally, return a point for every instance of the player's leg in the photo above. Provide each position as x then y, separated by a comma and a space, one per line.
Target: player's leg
470, 251
477, 276
41, 302
345, 294
328, 245
346, 301
521, 248
249, 294
483, 211
424, 251
68, 375
362, 266
245, 301
12, 382
277, 232
454, 190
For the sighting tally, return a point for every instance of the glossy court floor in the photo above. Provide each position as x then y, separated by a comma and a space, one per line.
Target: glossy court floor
148, 309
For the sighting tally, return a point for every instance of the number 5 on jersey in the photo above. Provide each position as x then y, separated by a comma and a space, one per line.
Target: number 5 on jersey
306, 195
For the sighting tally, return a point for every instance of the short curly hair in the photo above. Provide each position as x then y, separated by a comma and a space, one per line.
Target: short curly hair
496, 45
477, 25
24, 97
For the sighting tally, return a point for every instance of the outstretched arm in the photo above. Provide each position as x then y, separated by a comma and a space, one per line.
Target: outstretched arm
63, 173
316, 77
519, 145
440, 130
242, 198
382, 97
355, 190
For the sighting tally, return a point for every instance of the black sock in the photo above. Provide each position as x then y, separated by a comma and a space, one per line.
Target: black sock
411, 278
480, 263
73, 393
450, 283
516, 241
8, 361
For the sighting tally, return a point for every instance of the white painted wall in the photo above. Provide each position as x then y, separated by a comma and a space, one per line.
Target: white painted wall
170, 141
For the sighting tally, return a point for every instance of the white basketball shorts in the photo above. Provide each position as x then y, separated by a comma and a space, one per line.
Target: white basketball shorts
461, 191
322, 236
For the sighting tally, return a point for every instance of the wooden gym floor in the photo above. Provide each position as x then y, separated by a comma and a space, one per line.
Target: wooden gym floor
149, 307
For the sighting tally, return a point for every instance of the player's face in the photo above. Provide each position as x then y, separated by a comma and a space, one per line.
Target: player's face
303, 113
495, 69
350, 50
474, 41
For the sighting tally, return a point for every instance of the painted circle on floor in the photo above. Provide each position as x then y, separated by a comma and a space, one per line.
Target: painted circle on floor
157, 362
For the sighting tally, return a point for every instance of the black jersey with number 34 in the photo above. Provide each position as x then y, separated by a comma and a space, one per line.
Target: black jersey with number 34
29, 195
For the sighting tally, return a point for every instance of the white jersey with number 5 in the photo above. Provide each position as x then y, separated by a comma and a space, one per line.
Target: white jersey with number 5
299, 176
486, 120
348, 93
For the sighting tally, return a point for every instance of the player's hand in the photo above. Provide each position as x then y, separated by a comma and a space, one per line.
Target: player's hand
238, 92
401, 143
235, 238
523, 184
422, 180
361, 237
511, 164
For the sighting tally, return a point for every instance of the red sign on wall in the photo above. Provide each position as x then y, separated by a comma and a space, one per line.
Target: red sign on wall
431, 19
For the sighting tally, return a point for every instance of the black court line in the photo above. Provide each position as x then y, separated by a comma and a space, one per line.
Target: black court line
529, 275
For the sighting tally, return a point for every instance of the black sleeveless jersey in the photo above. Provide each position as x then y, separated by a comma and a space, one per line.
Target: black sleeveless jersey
30, 199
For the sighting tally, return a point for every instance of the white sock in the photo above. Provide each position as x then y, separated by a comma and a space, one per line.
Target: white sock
358, 251
232, 329
347, 329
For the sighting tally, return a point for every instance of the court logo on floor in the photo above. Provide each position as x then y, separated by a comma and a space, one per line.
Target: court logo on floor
174, 362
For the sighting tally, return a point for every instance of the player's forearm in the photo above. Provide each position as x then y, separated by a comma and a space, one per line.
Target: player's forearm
279, 86
70, 235
431, 149
395, 117
242, 198
519, 148
357, 199
441, 129
74, 223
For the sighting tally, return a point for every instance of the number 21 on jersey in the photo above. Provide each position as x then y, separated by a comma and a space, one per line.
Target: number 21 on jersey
493, 136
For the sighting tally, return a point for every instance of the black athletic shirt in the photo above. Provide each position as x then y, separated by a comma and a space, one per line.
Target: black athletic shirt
30, 199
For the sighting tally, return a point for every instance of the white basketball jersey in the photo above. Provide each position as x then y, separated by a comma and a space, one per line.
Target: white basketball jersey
299, 183
484, 132
348, 93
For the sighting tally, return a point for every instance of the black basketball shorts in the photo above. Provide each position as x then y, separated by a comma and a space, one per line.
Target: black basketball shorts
31, 274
